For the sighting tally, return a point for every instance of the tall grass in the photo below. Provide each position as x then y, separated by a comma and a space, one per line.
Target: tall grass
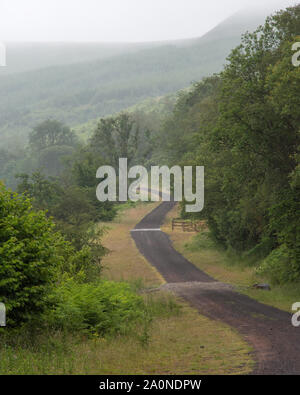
33, 350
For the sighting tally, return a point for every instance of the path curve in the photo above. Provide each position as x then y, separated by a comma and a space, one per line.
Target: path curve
275, 341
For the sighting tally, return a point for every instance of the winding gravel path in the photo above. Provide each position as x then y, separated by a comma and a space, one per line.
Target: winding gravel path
269, 330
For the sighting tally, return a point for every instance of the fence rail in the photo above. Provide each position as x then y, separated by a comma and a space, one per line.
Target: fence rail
188, 225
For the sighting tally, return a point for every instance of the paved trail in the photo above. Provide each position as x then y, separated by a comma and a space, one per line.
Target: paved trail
269, 330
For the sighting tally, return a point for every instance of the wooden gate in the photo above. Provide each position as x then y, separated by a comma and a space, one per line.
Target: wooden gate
188, 225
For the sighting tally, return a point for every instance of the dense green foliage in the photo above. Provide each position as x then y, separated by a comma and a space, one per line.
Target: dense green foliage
74, 209
243, 126
45, 279
31, 253
104, 307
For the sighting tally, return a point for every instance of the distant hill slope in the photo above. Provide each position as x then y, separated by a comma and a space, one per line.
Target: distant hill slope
153, 110
23, 57
80, 92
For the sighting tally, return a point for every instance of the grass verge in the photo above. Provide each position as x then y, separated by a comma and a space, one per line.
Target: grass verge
180, 341
124, 262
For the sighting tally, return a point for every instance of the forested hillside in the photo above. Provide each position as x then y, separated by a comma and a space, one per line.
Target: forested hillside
77, 93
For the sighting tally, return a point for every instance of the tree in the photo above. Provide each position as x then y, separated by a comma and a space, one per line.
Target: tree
116, 137
51, 133
52, 142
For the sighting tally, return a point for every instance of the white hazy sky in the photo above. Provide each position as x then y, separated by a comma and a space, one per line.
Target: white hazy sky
115, 20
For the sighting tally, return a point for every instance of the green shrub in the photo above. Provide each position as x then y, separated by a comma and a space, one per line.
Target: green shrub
280, 267
105, 307
34, 259
200, 241
30, 254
